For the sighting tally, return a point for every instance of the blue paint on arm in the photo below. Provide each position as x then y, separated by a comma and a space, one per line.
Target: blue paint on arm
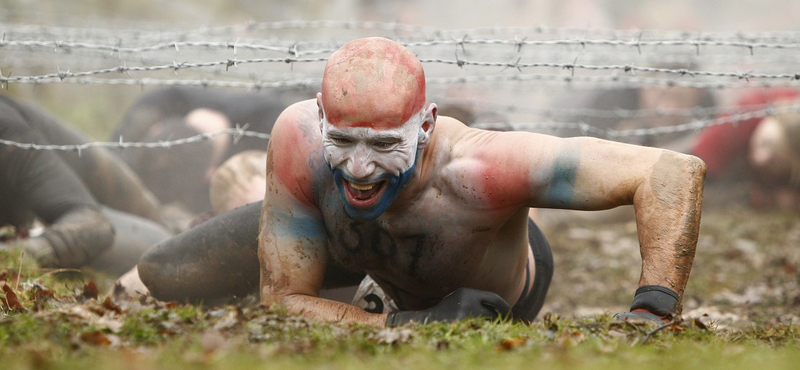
298, 226
562, 182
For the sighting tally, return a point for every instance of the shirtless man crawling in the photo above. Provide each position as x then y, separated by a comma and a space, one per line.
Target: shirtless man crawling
436, 212
366, 179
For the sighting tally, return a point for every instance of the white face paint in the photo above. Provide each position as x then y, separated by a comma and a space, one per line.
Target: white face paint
365, 155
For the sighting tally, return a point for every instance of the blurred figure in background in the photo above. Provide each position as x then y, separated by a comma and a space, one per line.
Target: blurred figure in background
616, 110
94, 210
181, 174
760, 153
240, 180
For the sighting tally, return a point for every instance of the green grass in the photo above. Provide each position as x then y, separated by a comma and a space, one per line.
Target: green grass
64, 326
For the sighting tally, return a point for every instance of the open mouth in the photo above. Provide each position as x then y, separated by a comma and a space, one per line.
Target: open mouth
362, 194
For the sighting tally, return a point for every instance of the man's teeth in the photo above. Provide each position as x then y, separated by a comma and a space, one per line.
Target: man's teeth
362, 187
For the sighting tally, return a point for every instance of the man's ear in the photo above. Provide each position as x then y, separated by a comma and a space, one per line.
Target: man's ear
321, 112
429, 123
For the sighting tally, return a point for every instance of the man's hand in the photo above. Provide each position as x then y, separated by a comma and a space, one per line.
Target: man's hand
462, 304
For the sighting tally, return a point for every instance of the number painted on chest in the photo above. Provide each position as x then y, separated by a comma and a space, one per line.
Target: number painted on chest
366, 246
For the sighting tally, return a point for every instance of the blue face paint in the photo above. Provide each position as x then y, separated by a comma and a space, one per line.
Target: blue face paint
393, 186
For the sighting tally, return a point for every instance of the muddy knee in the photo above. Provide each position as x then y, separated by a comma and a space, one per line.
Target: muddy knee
214, 260
158, 274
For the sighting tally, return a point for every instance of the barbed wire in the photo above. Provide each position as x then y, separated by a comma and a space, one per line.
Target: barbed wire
617, 113
613, 81
175, 66
233, 62
498, 62
593, 82
462, 42
399, 28
204, 83
625, 68
174, 45
633, 44
720, 58
240, 131
536, 30
615, 134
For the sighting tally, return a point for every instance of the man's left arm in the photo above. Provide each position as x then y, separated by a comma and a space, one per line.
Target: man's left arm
665, 188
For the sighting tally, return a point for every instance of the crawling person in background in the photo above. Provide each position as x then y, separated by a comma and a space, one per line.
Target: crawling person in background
774, 157
239, 181
759, 153
180, 175
95, 210
368, 179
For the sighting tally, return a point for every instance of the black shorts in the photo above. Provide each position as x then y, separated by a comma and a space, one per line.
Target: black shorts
531, 300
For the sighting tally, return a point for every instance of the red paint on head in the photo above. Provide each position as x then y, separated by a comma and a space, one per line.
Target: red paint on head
372, 82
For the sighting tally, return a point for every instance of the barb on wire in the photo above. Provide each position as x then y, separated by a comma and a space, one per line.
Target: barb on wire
240, 132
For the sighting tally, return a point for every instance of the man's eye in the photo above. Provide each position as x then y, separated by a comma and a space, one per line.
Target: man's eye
340, 141
384, 144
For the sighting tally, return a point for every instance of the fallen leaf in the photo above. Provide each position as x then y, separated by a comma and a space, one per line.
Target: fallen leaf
10, 302
40, 296
90, 290
511, 343
96, 338
109, 305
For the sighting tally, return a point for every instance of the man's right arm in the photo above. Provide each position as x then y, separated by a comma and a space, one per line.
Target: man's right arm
292, 256
292, 244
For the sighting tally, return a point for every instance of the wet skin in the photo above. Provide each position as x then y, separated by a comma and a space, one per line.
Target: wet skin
461, 219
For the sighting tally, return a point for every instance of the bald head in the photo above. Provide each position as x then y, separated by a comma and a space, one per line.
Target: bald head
372, 82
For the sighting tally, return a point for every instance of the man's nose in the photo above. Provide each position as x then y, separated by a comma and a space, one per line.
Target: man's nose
362, 165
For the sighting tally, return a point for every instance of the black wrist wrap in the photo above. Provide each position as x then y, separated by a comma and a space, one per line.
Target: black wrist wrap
657, 299
397, 318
